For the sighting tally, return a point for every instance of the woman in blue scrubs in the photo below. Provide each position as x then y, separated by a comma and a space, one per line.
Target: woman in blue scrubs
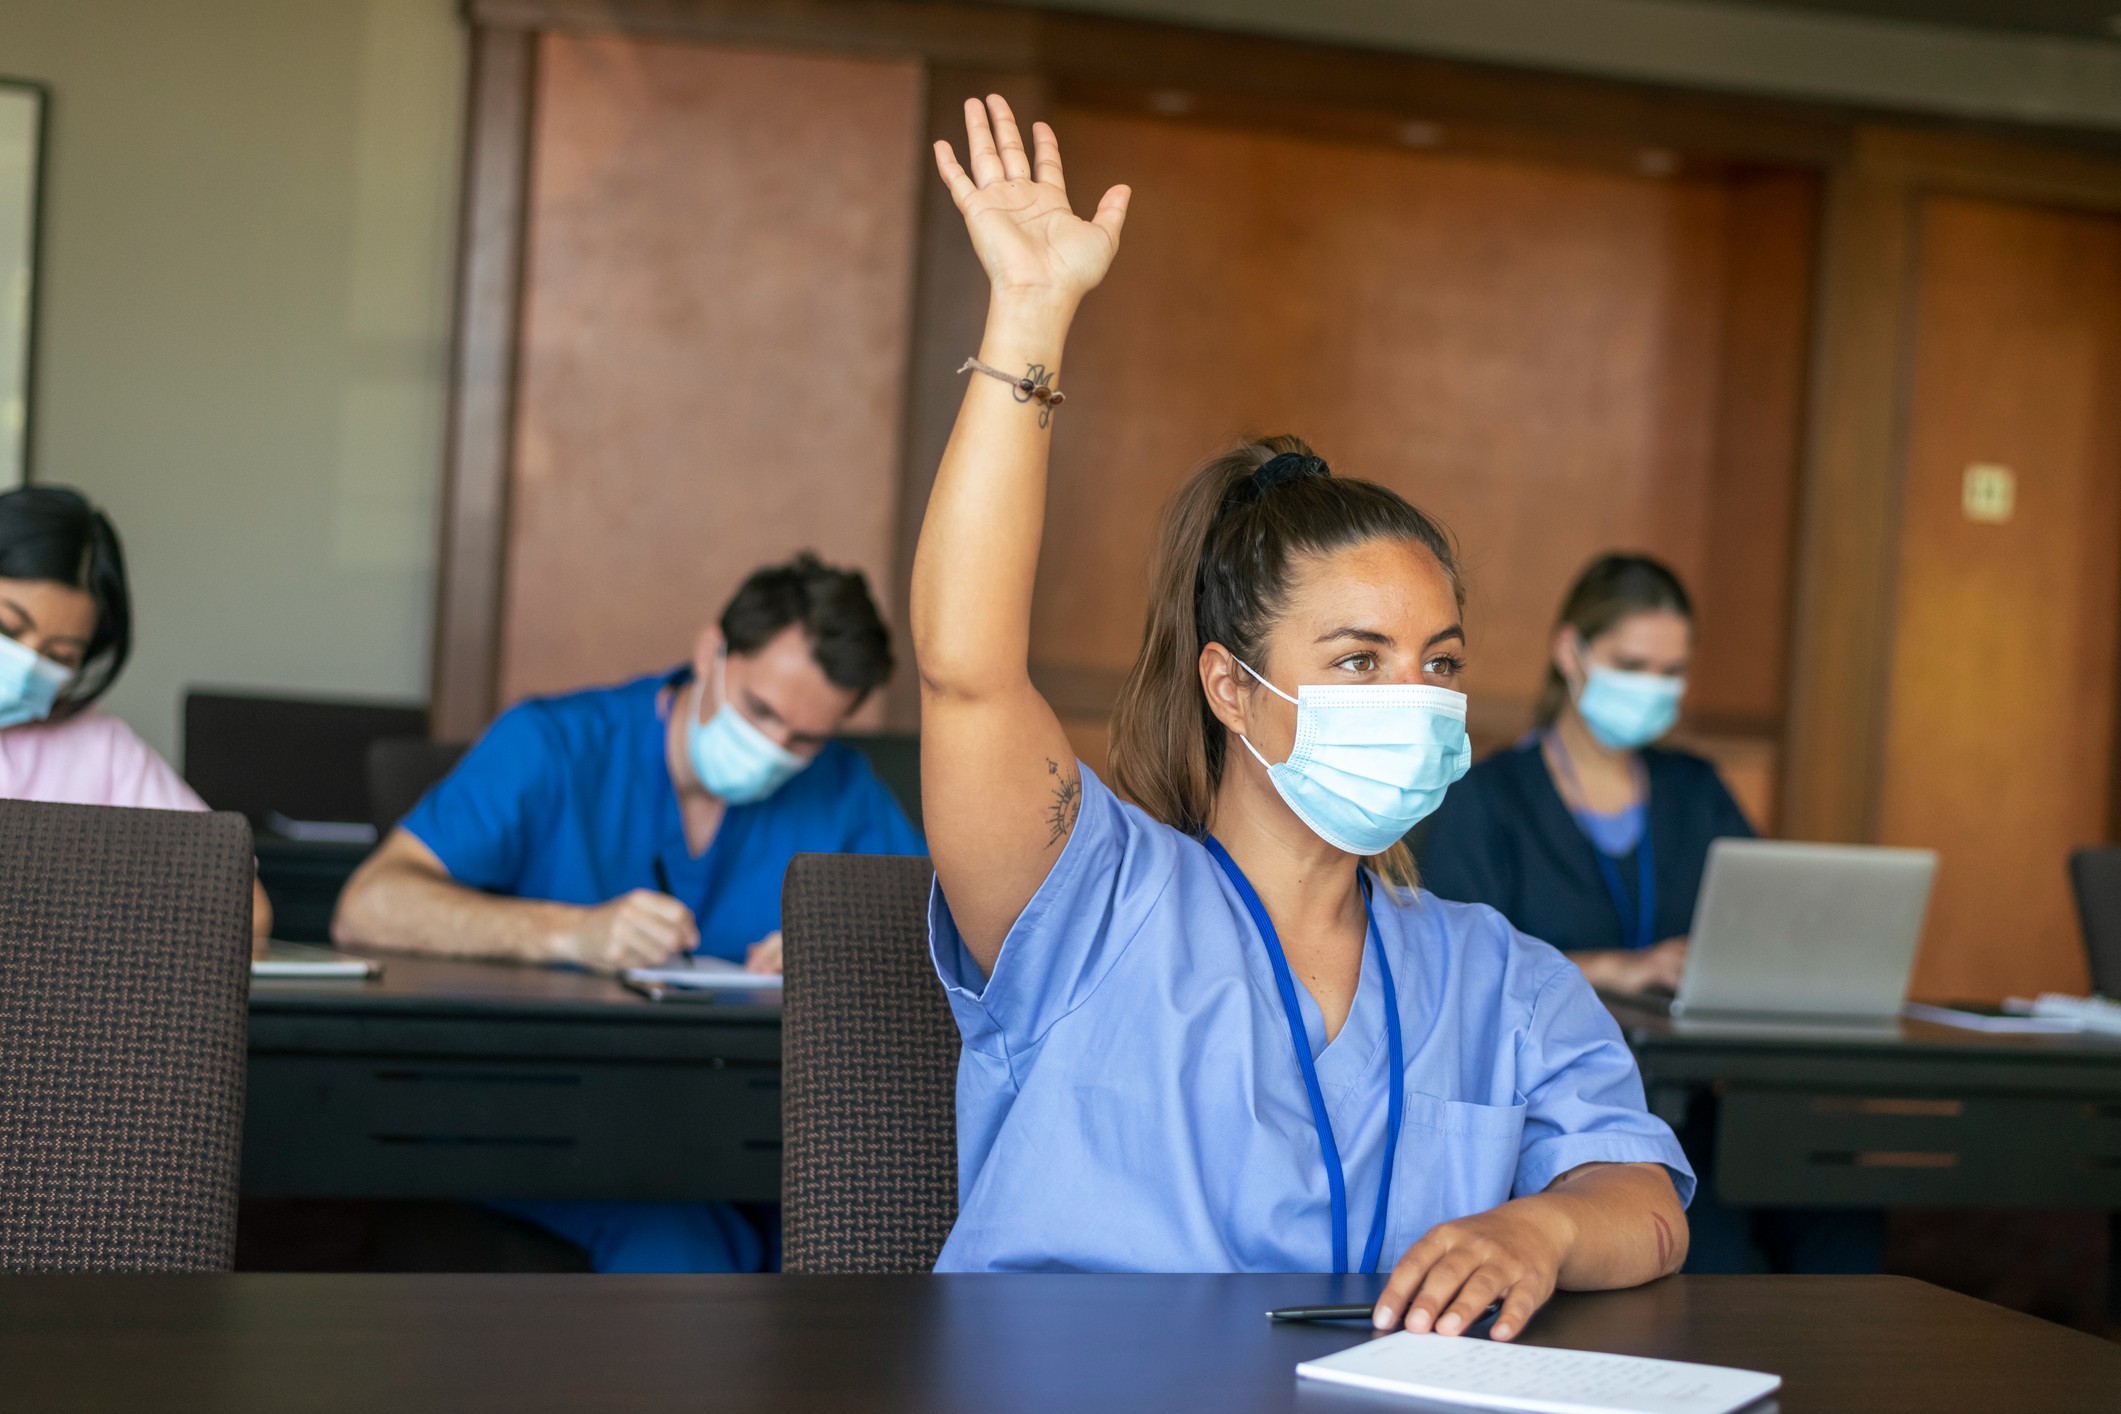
1588, 836
1585, 834
1213, 1027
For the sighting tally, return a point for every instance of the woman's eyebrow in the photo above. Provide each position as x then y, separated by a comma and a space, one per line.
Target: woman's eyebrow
1360, 635
1456, 631
29, 620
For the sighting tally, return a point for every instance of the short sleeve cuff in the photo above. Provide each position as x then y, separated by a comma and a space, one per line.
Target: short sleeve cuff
1541, 1163
1059, 944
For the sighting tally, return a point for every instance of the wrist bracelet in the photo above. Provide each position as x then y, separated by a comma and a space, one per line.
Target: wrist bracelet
1033, 387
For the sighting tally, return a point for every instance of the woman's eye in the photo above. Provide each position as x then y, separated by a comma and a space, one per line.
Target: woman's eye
1445, 667
1360, 662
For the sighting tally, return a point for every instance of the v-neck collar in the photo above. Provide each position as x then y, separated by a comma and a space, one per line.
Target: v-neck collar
1352, 1054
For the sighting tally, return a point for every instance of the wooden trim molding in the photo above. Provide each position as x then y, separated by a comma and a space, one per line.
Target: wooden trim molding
482, 383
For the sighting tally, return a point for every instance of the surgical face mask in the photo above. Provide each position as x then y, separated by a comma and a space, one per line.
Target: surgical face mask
29, 684
1370, 760
733, 758
1627, 710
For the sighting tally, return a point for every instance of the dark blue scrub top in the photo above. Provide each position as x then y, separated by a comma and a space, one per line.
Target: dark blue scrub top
569, 799
1505, 838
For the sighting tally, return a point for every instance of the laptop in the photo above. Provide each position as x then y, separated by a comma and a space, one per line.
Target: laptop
1803, 932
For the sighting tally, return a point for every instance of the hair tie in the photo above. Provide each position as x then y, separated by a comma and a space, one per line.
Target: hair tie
1289, 466
1275, 471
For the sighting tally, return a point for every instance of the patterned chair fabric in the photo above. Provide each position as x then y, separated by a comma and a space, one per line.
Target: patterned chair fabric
868, 1068
124, 981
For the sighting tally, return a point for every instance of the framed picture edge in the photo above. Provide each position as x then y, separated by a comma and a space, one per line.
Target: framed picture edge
40, 92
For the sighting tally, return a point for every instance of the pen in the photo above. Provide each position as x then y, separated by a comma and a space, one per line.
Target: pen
1357, 1313
662, 877
1323, 1313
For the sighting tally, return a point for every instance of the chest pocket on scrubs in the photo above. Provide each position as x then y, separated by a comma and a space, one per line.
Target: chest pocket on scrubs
1455, 1159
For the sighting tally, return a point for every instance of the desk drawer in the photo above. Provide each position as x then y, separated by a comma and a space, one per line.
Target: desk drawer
1777, 1147
351, 1127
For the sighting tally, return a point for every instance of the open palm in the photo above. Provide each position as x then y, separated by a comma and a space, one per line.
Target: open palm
1016, 207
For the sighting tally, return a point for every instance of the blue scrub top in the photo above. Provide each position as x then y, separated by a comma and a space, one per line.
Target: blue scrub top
1504, 837
570, 799
1128, 1098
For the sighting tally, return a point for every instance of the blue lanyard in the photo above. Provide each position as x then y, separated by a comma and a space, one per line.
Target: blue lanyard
1395, 1099
1644, 932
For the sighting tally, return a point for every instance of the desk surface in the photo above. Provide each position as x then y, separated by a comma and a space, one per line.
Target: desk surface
1908, 1053
436, 987
409, 1344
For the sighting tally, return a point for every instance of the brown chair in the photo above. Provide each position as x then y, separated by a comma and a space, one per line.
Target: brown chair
868, 1070
124, 978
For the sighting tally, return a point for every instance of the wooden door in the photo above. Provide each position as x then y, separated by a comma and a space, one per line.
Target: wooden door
2000, 709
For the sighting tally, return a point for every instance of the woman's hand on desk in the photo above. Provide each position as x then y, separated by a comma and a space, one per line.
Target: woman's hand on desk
1512, 1253
1628, 970
639, 929
1596, 1227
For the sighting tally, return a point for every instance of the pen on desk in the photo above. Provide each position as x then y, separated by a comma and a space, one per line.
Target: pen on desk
1323, 1313
1360, 1313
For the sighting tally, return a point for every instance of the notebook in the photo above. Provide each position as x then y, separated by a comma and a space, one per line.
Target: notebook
703, 974
2000, 1020
301, 960
1484, 1374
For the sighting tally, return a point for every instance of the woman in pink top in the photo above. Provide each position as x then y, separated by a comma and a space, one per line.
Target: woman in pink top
65, 631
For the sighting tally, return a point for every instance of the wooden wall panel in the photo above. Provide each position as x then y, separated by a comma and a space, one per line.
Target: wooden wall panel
1529, 350
2000, 717
1742, 600
714, 340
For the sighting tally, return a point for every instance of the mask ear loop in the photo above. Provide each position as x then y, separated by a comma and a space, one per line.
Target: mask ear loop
699, 686
1260, 678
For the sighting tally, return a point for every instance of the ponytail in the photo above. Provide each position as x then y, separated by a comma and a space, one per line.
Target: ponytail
1219, 574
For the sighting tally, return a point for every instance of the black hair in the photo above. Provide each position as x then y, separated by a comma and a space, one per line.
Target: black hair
847, 636
1611, 588
55, 535
1220, 574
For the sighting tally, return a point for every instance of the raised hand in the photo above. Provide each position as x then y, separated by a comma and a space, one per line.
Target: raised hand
1016, 207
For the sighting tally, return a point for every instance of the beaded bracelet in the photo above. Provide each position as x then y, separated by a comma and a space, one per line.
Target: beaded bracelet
1034, 386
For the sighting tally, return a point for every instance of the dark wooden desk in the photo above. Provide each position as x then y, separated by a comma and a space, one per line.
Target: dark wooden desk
480, 1080
981, 1345
1904, 1116
471, 1080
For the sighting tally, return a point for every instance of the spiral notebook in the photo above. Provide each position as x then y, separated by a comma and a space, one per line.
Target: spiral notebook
1533, 1379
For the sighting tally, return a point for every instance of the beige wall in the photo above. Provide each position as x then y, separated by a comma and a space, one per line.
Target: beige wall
249, 222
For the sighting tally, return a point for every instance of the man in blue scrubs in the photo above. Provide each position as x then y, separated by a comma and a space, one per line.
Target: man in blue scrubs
622, 826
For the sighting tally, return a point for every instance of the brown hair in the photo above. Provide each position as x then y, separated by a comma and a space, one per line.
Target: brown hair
1220, 573
1611, 588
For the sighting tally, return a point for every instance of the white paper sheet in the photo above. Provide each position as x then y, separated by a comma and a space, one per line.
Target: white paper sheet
1482, 1374
705, 974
